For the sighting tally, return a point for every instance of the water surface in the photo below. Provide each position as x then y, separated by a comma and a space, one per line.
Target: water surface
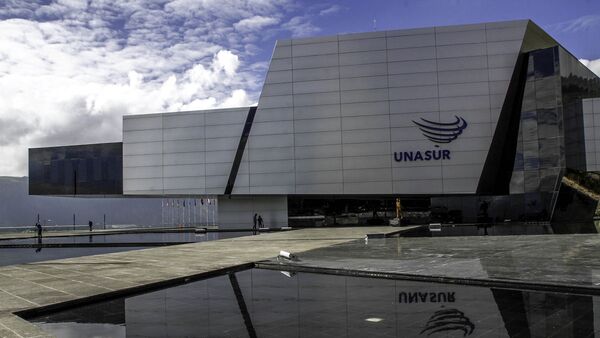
38, 253
268, 303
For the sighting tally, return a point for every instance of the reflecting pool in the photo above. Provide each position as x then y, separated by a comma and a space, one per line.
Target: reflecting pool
36, 252
153, 237
269, 303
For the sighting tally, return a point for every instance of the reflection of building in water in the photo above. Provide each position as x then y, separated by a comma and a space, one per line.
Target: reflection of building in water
314, 305
307, 305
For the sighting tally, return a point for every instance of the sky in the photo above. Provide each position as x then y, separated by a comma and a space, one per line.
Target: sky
70, 69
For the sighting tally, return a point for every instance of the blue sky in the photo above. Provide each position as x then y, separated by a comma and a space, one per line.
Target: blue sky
576, 23
70, 69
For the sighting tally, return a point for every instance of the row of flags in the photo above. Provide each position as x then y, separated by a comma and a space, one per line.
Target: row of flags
177, 203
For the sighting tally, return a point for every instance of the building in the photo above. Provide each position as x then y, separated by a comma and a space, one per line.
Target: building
473, 122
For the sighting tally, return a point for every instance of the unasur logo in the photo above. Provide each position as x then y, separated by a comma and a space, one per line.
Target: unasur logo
436, 132
447, 320
440, 132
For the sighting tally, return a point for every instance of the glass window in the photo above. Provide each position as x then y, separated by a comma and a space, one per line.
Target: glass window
543, 62
77, 170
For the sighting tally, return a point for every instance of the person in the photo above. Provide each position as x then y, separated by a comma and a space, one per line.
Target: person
91, 224
483, 211
38, 226
38, 247
260, 221
399, 211
255, 219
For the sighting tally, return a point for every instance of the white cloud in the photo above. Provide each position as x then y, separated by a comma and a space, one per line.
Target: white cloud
238, 98
226, 61
300, 26
255, 23
69, 70
135, 79
330, 10
593, 65
579, 24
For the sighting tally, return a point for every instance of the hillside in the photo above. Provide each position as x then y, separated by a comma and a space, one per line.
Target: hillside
17, 208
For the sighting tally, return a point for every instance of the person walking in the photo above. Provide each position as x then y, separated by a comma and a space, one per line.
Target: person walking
90, 224
38, 226
260, 222
255, 220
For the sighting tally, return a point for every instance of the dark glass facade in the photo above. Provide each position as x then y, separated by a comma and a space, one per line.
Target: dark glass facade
93, 169
337, 210
550, 135
551, 130
540, 152
577, 83
549, 140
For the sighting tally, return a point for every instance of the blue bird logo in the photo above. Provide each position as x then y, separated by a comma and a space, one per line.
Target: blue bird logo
442, 132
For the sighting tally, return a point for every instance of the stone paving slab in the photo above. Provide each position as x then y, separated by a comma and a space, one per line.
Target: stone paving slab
13, 326
40, 284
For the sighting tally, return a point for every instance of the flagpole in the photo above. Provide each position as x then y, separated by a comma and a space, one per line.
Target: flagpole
213, 211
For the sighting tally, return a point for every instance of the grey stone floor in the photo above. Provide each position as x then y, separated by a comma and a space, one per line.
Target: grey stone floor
47, 283
565, 262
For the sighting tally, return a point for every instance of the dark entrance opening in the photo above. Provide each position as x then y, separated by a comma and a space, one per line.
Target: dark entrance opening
332, 210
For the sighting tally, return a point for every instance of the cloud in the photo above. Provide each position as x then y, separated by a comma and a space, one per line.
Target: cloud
238, 98
226, 61
255, 23
330, 10
13, 129
593, 65
300, 26
69, 69
579, 24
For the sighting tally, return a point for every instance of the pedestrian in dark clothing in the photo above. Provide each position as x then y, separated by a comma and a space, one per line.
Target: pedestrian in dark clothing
39, 244
91, 224
38, 226
255, 220
260, 221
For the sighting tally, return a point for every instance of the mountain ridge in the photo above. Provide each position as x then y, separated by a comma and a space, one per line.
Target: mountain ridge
18, 208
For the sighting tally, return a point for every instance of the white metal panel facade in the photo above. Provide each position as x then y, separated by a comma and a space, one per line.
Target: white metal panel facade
187, 153
591, 128
332, 113
335, 109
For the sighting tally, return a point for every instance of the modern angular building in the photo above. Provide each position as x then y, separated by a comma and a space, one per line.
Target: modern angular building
464, 121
